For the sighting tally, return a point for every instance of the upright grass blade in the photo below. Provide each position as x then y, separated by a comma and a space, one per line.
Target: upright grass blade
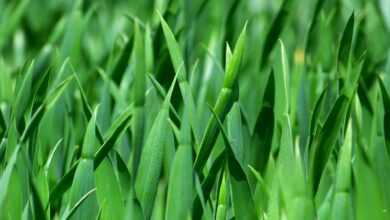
123, 175
207, 185
386, 119
315, 122
180, 188
23, 98
79, 188
139, 98
147, 179
47, 104
39, 211
120, 66
324, 142
281, 86
51, 156
86, 107
342, 204
84, 171
108, 191
3, 125
275, 30
310, 43
133, 207
161, 93
69, 214
223, 104
221, 211
6, 175
345, 46
113, 134
264, 127
3, 144
369, 200
63, 185
243, 204
180, 69
235, 131
344, 56
261, 195
295, 193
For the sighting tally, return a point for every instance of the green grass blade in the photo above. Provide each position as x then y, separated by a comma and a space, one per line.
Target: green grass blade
327, 137
133, 208
3, 125
264, 128
223, 104
83, 182
108, 191
180, 69
46, 105
147, 179
207, 185
63, 185
243, 204
342, 205
120, 66
113, 134
6, 175
344, 50
386, 119
39, 211
138, 92
281, 88
275, 30
69, 214
179, 195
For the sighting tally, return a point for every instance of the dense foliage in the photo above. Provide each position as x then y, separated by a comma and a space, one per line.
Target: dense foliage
203, 109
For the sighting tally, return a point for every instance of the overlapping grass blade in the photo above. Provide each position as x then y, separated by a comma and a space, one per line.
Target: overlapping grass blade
180, 188
70, 213
120, 66
117, 128
223, 104
108, 191
6, 175
264, 127
3, 125
345, 46
180, 69
342, 204
324, 142
39, 211
275, 30
44, 107
207, 185
147, 179
133, 207
386, 119
85, 171
243, 204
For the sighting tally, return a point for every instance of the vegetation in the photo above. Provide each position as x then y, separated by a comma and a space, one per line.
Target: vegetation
169, 109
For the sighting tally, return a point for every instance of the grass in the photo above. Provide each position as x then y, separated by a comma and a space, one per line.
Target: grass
167, 109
